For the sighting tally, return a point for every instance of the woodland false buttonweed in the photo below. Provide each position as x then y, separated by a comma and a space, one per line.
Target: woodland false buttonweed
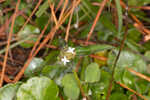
89, 92
71, 50
66, 54
65, 60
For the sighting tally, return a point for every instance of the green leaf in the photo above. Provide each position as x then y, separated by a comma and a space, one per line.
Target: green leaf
107, 25
128, 78
147, 54
42, 21
138, 2
126, 59
142, 86
118, 96
120, 18
92, 73
85, 62
34, 67
38, 88
51, 58
71, 88
8, 92
28, 30
50, 70
99, 89
20, 20
92, 49
42, 8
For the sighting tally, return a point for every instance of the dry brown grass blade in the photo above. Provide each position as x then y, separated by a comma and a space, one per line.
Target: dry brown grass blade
139, 25
8, 44
68, 28
131, 90
98, 57
82, 42
6, 78
96, 19
65, 16
39, 38
63, 10
26, 17
136, 19
6, 10
138, 74
70, 19
53, 12
59, 5
2, 1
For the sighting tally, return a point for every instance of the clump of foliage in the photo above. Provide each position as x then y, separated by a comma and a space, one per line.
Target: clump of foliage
74, 50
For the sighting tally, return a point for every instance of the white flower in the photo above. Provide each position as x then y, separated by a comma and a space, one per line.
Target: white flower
89, 92
76, 25
84, 98
71, 50
65, 60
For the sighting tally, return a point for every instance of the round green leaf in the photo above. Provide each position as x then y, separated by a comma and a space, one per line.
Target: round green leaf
92, 73
38, 88
8, 92
28, 30
71, 88
34, 67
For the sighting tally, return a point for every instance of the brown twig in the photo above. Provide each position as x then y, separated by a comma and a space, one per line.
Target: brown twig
59, 5
2, 1
7, 10
131, 90
6, 78
8, 44
68, 28
39, 38
138, 74
26, 17
53, 12
99, 57
96, 19
63, 9
139, 25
